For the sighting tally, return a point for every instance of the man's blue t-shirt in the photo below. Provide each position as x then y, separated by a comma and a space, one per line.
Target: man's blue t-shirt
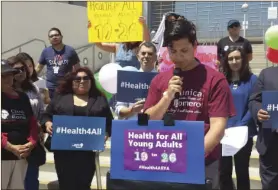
58, 63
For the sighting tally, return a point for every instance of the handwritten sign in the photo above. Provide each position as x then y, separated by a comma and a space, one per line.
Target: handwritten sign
155, 150
114, 21
207, 55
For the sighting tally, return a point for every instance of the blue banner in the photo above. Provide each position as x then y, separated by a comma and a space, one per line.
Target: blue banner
133, 85
78, 133
270, 104
157, 152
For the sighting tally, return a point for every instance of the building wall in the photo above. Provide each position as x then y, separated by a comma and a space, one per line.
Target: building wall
211, 17
24, 21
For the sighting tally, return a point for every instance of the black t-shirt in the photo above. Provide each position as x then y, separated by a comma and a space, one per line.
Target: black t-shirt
225, 43
15, 121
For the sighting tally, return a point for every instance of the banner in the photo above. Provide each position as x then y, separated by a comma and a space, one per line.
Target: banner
157, 152
270, 104
114, 21
166, 64
78, 133
132, 85
207, 55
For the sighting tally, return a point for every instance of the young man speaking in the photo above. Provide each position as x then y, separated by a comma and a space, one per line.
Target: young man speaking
204, 94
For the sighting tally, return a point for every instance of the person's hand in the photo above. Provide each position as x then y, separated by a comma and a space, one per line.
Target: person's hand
17, 149
89, 24
48, 127
263, 115
217, 62
138, 106
174, 86
28, 148
142, 20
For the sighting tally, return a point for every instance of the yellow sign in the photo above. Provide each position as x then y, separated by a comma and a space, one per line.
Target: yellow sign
114, 21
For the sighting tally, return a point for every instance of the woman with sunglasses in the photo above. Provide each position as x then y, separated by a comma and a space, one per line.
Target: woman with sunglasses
23, 83
241, 79
19, 131
77, 95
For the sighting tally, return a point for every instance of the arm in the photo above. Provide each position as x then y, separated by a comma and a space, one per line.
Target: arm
106, 112
220, 107
4, 140
249, 51
41, 63
33, 137
146, 32
255, 99
75, 61
48, 114
215, 133
107, 47
247, 117
122, 110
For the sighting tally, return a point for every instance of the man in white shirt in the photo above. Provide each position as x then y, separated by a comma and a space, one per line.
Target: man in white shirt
147, 58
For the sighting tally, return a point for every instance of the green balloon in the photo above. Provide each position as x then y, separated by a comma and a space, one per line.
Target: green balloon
271, 37
107, 94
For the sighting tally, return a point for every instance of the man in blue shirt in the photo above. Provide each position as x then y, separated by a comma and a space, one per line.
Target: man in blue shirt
59, 59
147, 57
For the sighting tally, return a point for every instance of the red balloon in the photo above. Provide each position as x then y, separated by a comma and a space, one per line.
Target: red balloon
272, 55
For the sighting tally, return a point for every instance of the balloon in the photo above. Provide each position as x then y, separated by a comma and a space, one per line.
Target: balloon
271, 37
129, 68
272, 55
108, 77
107, 94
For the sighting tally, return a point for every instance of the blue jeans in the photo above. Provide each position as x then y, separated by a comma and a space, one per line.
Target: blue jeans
32, 177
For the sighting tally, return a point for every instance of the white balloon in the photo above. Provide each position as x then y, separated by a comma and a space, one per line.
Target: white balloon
129, 68
108, 77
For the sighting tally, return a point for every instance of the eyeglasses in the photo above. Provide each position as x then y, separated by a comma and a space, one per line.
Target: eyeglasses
54, 35
236, 58
79, 79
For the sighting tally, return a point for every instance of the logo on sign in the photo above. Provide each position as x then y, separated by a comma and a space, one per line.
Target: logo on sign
78, 145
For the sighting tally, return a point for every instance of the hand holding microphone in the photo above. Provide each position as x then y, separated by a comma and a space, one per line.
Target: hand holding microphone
175, 85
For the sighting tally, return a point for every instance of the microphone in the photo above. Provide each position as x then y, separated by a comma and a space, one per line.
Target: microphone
177, 72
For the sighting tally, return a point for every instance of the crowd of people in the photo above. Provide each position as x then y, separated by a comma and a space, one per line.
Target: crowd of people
229, 97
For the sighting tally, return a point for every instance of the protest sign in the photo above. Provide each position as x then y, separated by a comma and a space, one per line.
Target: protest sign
207, 55
132, 85
114, 21
78, 133
270, 104
157, 152
166, 64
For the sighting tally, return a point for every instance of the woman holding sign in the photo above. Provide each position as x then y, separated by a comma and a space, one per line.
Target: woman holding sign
77, 95
241, 80
126, 53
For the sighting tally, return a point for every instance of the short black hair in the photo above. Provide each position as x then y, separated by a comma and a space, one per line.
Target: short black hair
180, 29
55, 29
245, 70
148, 45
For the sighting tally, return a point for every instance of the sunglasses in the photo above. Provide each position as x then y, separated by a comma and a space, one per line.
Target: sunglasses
79, 79
54, 35
231, 59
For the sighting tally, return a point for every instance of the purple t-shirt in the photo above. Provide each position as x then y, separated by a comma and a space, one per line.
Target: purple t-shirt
58, 63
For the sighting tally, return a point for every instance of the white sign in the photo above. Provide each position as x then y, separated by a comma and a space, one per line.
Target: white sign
244, 25
272, 13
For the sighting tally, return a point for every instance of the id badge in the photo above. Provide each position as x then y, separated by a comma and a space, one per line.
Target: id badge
56, 69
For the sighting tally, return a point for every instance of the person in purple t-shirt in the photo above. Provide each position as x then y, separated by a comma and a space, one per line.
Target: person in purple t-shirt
59, 59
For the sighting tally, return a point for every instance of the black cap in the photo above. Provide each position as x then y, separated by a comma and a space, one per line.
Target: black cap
7, 68
233, 22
